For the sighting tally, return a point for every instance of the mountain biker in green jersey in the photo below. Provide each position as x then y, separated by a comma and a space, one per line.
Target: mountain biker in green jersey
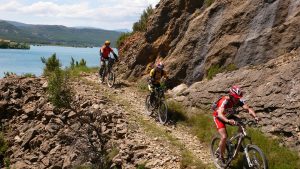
156, 74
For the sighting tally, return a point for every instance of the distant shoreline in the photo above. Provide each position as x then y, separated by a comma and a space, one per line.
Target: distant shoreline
8, 44
73, 46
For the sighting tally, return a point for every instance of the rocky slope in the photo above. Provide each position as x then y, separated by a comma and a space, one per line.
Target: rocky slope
191, 37
41, 136
104, 128
272, 89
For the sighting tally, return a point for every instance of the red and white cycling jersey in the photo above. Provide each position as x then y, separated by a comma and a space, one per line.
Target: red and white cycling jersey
229, 109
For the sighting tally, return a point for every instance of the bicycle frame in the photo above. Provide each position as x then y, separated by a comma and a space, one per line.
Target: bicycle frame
240, 136
107, 67
159, 95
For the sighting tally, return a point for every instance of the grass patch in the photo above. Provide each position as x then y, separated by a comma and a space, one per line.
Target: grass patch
215, 69
3, 145
114, 151
76, 71
231, 67
187, 158
141, 166
3, 149
209, 2
83, 167
142, 86
279, 157
202, 126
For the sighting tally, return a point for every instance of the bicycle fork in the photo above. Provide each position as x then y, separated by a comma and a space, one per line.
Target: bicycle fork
248, 157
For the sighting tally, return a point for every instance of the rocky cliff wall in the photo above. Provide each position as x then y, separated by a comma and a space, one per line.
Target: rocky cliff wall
191, 37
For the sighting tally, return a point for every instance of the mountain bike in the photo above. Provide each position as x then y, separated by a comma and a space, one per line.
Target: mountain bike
157, 105
253, 158
107, 73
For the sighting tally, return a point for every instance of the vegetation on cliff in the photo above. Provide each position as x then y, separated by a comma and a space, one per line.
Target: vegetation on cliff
139, 26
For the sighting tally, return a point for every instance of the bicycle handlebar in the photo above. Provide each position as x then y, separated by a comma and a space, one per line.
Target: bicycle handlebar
244, 122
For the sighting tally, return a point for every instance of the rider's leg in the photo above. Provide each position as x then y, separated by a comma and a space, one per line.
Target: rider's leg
223, 136
222, 144
152, 95
101, 68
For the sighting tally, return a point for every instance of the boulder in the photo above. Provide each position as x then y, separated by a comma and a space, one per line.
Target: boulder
28, 136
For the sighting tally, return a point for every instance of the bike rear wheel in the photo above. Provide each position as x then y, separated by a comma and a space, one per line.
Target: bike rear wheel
110, 79
163, 112
215, 152
256, 157
149, 108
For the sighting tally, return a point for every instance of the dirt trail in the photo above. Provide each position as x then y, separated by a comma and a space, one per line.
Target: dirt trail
172, 139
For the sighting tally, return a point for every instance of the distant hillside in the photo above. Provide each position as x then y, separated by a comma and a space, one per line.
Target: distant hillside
55, 34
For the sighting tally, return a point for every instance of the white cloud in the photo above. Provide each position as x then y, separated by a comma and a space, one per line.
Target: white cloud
109, 14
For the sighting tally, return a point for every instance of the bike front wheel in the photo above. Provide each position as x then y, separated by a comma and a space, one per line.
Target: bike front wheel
110, 79
215, 152
163, 112
149, 108
257, 159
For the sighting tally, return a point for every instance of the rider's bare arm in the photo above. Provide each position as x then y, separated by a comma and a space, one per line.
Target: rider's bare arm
222, 117
251, 111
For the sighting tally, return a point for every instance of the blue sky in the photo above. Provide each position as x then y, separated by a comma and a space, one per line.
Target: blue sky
107, 14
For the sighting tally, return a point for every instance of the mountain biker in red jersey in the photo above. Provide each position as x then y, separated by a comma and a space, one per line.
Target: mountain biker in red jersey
224, 114
105, 50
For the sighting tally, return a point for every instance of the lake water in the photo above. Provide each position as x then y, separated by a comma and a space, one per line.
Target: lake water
29, 61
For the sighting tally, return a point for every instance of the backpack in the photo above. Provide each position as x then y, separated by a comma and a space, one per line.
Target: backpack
214, 105
155, 71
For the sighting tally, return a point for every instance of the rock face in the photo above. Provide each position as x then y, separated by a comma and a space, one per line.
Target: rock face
41, 136
191, 37
271, 89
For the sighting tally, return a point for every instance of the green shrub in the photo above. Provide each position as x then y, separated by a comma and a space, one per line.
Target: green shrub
59, 91
7, 163
7, 74
51, 64
28, 75
3, 144
72, 63
82, 63
209, 2
141, 25
122, 38
213, 71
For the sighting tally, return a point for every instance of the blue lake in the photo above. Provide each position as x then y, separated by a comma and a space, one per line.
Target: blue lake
29, 61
